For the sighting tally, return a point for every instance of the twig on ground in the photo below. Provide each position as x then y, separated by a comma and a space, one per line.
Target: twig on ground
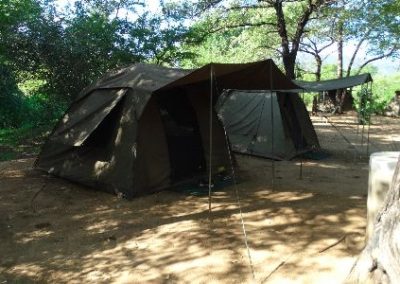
332, 245
36, 195
282, 263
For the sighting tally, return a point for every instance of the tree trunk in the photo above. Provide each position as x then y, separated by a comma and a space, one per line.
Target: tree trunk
319, 68
289, 61
340, 51
340, 94
379, 262
318, 59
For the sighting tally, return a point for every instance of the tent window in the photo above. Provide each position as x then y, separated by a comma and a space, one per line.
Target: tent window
183, 135
86, 115
101, 139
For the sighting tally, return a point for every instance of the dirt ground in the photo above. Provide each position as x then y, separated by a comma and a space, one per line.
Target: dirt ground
306, 230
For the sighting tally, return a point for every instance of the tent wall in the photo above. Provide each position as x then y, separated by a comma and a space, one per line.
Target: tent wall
100, 162
259, 124
251, 124
152, 167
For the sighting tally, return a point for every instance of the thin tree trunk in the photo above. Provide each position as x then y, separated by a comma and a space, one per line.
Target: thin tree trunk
340, 51
353, 57
339, 93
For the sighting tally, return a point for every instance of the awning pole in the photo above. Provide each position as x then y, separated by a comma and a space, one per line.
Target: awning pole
301, 141
211, 140
369, 88
272, 127
238, 201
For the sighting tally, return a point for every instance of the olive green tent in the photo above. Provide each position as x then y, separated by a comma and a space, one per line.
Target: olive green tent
144, 128
266, 123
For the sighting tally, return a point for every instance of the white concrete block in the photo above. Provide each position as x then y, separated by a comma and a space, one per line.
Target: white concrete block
381, 170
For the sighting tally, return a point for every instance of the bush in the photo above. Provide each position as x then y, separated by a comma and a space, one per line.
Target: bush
383, 91
11, 100
33, 107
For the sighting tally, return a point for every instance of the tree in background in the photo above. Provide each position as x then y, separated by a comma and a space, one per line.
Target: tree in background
68, 49
281, 22
369, 30
315, 43
376, 23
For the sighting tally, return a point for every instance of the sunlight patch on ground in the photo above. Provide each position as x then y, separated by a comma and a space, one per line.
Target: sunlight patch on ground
102, 226
32, 236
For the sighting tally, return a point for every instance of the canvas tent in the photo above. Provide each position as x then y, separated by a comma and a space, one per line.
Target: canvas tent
143, 128
268, 124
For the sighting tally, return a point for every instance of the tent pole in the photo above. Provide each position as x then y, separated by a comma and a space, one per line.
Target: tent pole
239, 204
369, 87
272, 142
272, 127
237, 195
301, 143
362, 137
211, 140
363, 106
358, 118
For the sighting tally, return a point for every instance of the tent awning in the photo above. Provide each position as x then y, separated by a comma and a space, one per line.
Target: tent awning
334, 84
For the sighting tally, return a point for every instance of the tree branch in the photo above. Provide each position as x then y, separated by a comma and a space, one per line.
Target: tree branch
353, 57
389, 53
243, 25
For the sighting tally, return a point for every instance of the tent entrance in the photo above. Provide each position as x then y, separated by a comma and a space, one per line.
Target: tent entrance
183, 136
293, 124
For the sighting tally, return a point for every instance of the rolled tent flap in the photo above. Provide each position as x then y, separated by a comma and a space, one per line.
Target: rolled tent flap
86, 115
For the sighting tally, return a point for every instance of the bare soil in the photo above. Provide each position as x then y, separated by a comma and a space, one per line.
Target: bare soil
299, 229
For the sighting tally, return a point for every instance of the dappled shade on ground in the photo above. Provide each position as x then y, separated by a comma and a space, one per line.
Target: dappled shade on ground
68, 233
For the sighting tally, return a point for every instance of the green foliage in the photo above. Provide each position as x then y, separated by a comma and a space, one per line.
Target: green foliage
155, 43
69, 51
364, 104
11, 99
23, 141
242, 31
383, 91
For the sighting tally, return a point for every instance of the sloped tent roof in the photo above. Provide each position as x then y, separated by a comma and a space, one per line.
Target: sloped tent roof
261, 75
144, 77
334, 84
112, 137
108, 91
